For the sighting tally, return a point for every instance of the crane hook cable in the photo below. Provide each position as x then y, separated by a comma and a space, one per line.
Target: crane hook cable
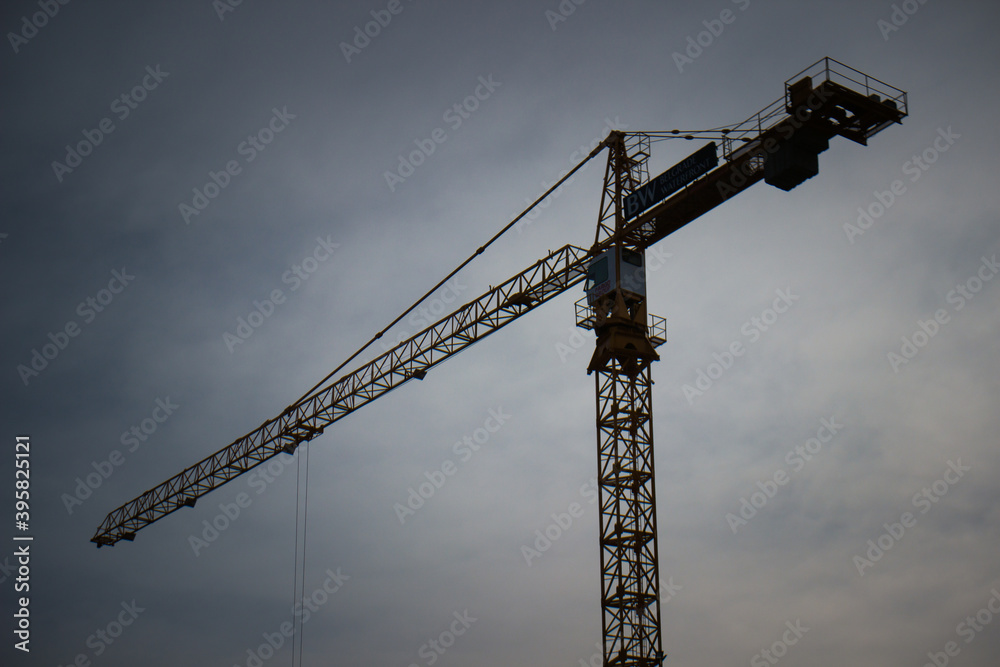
295, 575
298, 583
451, 275
299, 578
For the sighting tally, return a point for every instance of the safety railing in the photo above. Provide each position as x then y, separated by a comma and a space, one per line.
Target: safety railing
656, 327
742, 138
829, 69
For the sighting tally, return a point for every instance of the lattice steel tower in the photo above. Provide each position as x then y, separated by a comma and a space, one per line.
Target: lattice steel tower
616, 311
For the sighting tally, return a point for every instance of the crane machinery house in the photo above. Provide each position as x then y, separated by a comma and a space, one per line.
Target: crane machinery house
613, 268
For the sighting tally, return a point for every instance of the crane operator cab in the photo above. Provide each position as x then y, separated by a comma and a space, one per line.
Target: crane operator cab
616, 269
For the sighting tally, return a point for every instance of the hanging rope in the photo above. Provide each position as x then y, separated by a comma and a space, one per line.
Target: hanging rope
299, 578
302, 487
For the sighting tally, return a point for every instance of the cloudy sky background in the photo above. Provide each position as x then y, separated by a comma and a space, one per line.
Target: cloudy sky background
561, 83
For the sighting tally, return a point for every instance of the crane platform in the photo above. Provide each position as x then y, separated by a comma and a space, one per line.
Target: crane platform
824, 100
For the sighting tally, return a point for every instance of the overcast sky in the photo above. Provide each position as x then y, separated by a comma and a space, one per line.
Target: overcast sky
166, 167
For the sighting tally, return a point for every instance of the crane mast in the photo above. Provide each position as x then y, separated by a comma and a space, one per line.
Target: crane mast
621, 362
779, 145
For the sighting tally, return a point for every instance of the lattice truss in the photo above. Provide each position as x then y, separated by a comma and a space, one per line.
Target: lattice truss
629, 572
306, 419
626, 171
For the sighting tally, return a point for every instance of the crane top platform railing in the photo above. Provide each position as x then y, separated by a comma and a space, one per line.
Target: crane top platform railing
739, 140
830, 69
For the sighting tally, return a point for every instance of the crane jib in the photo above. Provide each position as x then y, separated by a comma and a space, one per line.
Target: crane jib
698, 163
301, 422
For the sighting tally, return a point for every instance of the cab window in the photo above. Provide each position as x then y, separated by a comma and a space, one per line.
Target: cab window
597, 274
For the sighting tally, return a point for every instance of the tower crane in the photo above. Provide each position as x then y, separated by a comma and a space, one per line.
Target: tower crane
779, 144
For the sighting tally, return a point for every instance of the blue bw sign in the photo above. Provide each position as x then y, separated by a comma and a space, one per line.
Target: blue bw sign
672, 180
